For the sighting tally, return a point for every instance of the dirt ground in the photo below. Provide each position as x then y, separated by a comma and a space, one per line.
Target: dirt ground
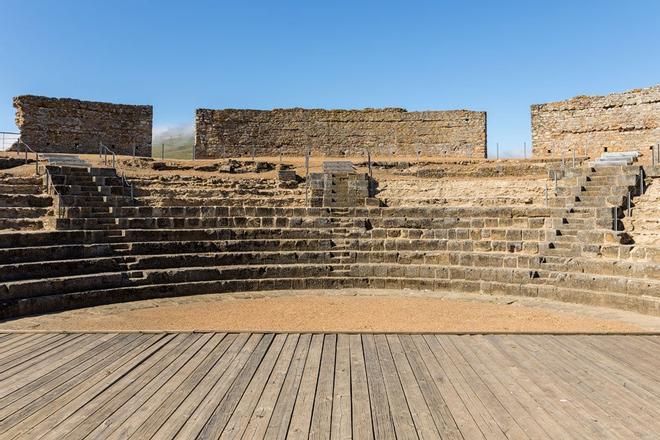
349, 310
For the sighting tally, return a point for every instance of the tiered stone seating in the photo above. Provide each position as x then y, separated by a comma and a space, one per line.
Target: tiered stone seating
200, 191
23, 204
139, 252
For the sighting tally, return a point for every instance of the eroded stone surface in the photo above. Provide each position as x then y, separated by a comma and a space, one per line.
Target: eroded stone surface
223, 133
52, 125
617, 122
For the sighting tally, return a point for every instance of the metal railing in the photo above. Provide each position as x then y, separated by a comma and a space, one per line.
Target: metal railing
50, 185
27, 149
103, 153
128, 184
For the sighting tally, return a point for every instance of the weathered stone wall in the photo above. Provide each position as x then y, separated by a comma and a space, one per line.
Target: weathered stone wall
72, 126
617, 122
456, 133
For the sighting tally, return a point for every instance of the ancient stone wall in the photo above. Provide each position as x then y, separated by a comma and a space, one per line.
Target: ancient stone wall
595, 124
71, 126
456, 133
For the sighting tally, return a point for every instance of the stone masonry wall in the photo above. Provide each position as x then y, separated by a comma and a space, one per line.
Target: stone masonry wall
617, 122
456, 133
63, 125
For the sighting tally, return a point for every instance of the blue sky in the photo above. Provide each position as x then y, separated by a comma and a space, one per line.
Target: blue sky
496, 56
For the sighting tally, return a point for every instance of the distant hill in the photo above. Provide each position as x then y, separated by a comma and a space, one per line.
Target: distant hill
178, 141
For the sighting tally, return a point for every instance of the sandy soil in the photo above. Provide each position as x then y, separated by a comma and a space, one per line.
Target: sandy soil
351, 310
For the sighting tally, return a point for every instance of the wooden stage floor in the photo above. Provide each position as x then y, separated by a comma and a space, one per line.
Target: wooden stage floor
211, 385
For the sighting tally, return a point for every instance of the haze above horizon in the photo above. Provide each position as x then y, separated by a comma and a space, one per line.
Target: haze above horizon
424, 55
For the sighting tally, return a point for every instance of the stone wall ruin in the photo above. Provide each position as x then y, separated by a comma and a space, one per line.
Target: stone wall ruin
234, 133
63, 125
596, 124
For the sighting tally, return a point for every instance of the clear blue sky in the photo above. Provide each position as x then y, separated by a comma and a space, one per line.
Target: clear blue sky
496, 56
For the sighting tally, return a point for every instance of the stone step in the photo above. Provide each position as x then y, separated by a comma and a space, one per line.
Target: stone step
93, 171
23, 213
21, 189
25, 200
86, 180
8, 179
525, 287
78, 190
89, 201
57, 268
21, 224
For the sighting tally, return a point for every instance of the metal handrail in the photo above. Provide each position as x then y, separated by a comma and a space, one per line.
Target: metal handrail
28, 149
125, 182
103, 152
49, 185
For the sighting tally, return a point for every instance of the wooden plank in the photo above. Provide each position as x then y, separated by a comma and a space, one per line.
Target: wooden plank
40, 381
302, 410
475, 407
170, 389
440, 412
192, 406
419, 410
20, 338
596, 380
630, 353
546, 397
360, 401
86, 388
322, 412
91, 412
499, 413
404, 426
120, 409
456, 408
532, 419
278, 425
624, 384
33, 353
225, 408
637, 370
237, 423
200, 416
552, 361
258, 422
183, 399
29, 347
341, 425
383, 425
41, 400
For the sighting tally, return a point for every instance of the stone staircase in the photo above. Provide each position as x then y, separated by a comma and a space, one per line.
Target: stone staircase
87, 197
589, 204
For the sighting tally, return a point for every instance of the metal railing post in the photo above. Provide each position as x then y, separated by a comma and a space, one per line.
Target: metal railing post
307, 176
573, 158
615, 218
641, 181
162, 151
628, 203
